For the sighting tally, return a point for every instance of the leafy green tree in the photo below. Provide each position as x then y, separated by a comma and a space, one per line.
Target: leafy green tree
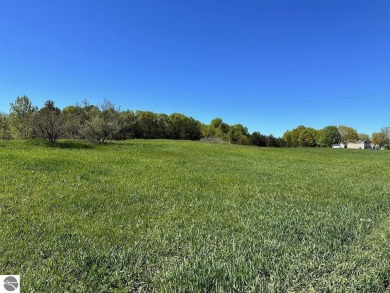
258, 139
296, 134
216, 122
95, 129
288, 138
386, 130
217, 129
20, 117
223, 130
380, 138
86, 111
208, 131
72, 118
238, 134
328, 136
102, 124
48, 122
163, 123
300, 136
148, 124
183, 127
363, 136
5, 130
272, 141
307, 137
127, 125
347, 134
76, 118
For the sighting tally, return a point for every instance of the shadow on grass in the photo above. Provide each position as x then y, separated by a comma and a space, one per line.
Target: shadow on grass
63, 144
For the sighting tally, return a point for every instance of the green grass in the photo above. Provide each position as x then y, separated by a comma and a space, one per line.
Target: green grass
178, 216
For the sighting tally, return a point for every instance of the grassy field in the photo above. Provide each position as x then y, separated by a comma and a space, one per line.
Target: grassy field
179, 216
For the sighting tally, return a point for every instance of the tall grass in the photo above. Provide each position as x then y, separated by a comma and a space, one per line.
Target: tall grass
177, 216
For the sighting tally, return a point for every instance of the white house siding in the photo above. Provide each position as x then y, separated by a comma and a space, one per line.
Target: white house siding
358, 145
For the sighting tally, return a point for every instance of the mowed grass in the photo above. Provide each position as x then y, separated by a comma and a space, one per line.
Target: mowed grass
179, 216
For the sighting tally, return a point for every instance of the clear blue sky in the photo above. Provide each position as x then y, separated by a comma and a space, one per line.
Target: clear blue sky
270, 65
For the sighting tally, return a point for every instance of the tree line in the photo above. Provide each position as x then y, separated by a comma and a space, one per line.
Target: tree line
108, 122
93, 123
302, 136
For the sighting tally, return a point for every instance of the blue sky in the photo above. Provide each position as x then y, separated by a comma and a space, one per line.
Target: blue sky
270, 65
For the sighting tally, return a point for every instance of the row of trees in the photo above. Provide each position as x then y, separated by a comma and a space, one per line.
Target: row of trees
309, 137
99, 123
238, 134
94, 123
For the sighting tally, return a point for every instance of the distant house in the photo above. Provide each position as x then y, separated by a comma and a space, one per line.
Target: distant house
360, 145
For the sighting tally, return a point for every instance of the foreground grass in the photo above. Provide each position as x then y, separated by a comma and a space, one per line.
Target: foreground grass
191, 216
